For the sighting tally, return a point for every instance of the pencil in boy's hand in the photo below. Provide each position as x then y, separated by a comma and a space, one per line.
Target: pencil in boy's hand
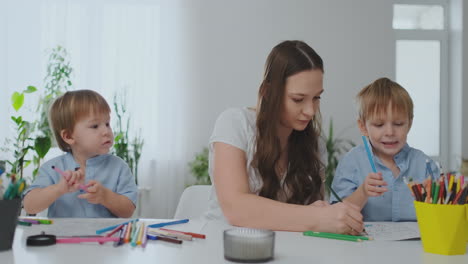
369, 155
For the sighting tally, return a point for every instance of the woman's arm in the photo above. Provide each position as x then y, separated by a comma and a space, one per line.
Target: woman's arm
242, 208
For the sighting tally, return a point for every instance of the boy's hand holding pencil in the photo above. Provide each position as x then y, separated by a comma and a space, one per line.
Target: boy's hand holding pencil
373, 185
70, 181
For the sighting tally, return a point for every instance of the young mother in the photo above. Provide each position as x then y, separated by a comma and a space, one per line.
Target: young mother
265, 163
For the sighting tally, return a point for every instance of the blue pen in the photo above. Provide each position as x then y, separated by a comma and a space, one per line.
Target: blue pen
369, 155
183, 221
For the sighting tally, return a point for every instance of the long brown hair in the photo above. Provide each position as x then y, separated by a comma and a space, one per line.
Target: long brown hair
303, 179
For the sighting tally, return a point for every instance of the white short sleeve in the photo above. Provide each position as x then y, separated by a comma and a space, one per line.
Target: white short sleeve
231, 128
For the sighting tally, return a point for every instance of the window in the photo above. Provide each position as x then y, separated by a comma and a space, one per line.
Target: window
421, 67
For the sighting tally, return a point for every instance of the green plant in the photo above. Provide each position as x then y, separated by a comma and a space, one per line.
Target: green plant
199, 168
126, 149
335, 148
22, 144
57, 81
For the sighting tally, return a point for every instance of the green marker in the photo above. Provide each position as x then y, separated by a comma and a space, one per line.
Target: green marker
24, 223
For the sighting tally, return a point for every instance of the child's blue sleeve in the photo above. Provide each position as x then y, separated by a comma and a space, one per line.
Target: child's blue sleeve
43, 179
126, 184
345, 180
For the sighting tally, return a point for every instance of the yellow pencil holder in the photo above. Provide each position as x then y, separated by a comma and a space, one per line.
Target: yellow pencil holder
443, 228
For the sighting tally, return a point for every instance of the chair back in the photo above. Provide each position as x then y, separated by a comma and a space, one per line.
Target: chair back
193, 202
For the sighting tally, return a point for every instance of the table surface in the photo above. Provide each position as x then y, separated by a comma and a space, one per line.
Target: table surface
290, 247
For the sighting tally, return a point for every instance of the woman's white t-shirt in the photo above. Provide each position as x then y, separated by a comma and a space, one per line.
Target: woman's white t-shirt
236, 127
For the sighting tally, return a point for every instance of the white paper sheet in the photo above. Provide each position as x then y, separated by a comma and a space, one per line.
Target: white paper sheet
392, 231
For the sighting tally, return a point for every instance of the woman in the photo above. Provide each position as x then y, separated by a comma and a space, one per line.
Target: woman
265, 162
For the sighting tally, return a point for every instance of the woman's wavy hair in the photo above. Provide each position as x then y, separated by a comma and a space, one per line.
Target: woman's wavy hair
303, 179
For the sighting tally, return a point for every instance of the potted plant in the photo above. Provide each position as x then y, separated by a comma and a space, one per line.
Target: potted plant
335, 148
199, 168
127, 149
22, 144
57, 81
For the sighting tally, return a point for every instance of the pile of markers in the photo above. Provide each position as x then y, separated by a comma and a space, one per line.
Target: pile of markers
34, 221
137, 233
446, 189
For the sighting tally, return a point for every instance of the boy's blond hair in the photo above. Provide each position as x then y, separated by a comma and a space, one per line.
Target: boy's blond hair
373, 100
70, 108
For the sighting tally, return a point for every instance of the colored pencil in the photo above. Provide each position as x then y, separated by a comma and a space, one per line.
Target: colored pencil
186, 233
335, 236
86, 239
163, 238
105, 229
140, 234
30, 221
145, 237
128, 233
369, 155
183, 221
123, 232
24, 223
154, 231
136, 232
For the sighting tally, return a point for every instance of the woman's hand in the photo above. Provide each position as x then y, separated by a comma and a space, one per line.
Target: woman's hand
340, 218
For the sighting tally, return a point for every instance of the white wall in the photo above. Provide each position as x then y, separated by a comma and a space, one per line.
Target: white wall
228, 42
455, 81
3, 76
465, 82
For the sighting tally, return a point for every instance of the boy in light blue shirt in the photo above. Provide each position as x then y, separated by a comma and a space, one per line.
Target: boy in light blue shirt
385, 117
86, 181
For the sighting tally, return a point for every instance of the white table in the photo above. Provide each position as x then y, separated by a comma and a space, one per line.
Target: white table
290, 248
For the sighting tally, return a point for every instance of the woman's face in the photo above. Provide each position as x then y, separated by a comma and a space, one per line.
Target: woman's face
301, 100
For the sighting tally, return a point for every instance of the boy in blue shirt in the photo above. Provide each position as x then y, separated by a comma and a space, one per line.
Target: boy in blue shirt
86, 181
385, 117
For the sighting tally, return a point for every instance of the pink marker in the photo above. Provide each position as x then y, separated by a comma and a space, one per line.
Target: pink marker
86, 239
83, 187
61, 172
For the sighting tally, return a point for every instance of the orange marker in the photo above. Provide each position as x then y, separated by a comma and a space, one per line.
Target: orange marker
129, 231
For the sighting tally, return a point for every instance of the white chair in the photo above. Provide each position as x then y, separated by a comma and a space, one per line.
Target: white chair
193, 202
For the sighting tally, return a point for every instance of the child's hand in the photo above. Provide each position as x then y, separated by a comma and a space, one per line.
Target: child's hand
71, 180
95, 192
373, 183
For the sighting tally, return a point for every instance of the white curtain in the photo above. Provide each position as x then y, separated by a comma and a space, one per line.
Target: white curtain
125, 46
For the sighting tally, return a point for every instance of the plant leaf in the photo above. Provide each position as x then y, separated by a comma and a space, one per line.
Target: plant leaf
42, 146
30, 89
17, 100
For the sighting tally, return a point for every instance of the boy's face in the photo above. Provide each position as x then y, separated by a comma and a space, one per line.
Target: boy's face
92, 136
387, 132
301, 99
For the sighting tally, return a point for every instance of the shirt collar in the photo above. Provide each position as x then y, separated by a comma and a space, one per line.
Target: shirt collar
72, 164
